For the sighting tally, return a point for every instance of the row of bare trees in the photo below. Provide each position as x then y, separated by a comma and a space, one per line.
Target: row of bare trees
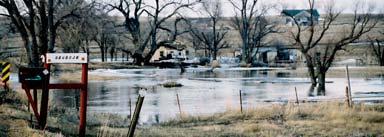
79, 22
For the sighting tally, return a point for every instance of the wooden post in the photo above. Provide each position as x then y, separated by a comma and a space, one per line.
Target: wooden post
83, 100
130, 108
44, 98
136, 115
32, 103
349, 86
35, 97
297, 98
241, 103
35, 100
347, 96
178, 104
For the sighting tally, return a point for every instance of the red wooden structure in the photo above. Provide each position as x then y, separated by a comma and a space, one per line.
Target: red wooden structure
44, 84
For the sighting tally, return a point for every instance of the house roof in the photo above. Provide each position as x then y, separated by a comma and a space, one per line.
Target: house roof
173, 46
294, 12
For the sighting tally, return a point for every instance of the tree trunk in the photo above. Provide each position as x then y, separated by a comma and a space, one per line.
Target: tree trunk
214, 54
52, 30
115, 55
102, 53
112, 52
149, 56
244, 48
311, 70
138, 59
381, 59
29, 50
105, 53
321, 87
311, 90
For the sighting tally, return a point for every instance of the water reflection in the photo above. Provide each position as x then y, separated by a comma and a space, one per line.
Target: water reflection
205, 92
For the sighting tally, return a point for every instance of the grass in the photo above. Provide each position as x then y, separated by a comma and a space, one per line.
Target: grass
76, 77
14, 117
62, 121
95, 65
171, 84
309, 119
318, 119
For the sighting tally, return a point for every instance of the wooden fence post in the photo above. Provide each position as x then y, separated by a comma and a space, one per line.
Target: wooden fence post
178, 104
241, 103
297, 98
347, 96
136, 115
349, 86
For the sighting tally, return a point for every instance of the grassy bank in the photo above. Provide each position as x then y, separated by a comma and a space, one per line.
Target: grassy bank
310, 119
14, 117
319, 119
62, 121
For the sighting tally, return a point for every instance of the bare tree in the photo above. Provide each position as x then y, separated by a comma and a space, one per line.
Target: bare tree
252, 25
212, 38
378, 49
105, 37
35, 25
76, 34
158, 13
70, 38
319, 57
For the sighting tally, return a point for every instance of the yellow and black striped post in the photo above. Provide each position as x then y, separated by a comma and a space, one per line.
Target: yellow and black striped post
6, 73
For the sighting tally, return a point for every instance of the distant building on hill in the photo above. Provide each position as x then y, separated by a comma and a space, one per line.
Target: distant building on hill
303, 17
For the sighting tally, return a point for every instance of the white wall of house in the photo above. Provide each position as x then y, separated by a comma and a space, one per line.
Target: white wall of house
181, 54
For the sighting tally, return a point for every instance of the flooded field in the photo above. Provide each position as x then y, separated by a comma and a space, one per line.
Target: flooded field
205, 93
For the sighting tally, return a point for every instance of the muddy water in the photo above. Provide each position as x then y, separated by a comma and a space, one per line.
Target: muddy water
206, 92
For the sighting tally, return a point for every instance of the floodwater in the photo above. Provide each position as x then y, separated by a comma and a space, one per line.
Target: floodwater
205, 93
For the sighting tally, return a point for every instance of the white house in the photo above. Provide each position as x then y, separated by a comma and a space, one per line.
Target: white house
170, 51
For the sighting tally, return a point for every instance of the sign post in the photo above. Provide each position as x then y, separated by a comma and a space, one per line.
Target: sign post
39, 79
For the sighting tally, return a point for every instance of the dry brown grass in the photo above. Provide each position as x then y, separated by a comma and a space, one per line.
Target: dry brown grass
14, 117
93, 65
319, 119
76, 77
